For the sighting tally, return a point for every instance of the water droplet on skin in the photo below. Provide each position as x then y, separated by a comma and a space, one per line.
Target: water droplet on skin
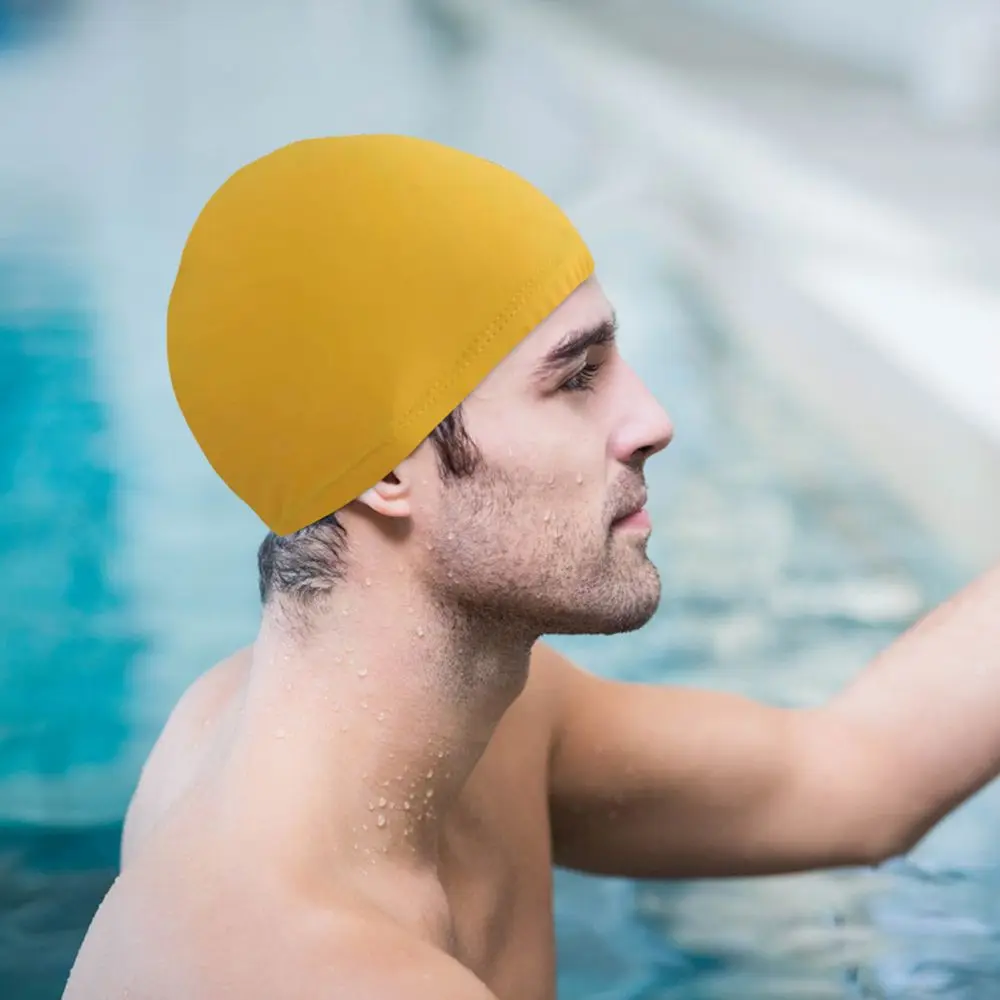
279, 734
451, 536
381, 802
548, 516
362, 672
364, 704
579, 478
381, 820
368, 581
380, 717
420, 631
371, 807
364, 826
430, 793
430, 773
406, 806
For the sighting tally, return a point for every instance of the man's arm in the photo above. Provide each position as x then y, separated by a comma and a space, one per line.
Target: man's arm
656, 781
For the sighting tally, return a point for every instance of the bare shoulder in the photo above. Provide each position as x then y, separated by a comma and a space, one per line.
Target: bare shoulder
555, 678
184, 742
348, 955
396, 965
256, 951
550, 669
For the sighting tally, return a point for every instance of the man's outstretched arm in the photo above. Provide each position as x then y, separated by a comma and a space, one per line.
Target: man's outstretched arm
655, 781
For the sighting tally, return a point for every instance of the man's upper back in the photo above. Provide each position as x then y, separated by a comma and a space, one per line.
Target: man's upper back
189, 899
205, 945
193, 734
194, 739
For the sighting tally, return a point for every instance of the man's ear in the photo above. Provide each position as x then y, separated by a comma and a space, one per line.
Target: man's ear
390, 496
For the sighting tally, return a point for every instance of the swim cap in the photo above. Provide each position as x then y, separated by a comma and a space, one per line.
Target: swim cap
338, 297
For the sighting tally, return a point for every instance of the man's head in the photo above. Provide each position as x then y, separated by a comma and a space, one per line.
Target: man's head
513, 507
382, 344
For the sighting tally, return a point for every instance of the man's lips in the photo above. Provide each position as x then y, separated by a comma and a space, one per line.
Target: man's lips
634, 516
637, 519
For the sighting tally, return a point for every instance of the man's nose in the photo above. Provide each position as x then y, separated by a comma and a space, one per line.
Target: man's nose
647, 427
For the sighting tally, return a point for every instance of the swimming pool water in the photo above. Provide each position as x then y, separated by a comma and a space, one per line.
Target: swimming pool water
128, 569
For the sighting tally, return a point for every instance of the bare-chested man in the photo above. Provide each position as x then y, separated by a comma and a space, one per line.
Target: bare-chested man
368, 801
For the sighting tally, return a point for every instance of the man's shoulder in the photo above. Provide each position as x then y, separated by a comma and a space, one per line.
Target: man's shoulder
202, 943
180, 747
548, 665
553, 679
379, 961
340, 950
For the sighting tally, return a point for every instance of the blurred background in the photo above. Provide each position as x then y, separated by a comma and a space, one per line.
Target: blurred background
793, 205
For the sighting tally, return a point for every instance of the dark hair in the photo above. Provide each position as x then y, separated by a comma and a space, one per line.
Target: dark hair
307, 564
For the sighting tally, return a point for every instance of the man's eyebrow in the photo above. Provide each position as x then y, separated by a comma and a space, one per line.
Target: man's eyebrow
574, 344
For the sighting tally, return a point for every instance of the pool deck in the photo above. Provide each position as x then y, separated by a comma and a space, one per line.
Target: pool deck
850, 243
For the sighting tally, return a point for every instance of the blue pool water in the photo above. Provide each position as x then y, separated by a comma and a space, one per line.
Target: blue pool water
22, 23
129, 569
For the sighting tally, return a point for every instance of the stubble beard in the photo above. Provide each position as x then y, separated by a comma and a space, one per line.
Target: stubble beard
506, 563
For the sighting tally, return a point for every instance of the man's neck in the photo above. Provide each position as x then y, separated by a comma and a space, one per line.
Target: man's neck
368, 726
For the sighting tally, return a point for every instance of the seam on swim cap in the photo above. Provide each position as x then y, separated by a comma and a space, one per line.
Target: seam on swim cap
578, 267
480, 344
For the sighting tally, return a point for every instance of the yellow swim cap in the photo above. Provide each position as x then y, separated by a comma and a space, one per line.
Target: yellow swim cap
338, 297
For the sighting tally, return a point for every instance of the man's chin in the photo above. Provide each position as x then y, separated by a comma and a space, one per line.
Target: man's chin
648, 594
628, 616
640, 617
599, 626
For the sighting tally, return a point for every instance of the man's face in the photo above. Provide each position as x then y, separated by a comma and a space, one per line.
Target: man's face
538, 532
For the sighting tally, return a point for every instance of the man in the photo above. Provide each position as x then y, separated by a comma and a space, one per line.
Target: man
399, 356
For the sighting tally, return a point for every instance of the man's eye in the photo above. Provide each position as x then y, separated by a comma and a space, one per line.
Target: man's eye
582, 380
